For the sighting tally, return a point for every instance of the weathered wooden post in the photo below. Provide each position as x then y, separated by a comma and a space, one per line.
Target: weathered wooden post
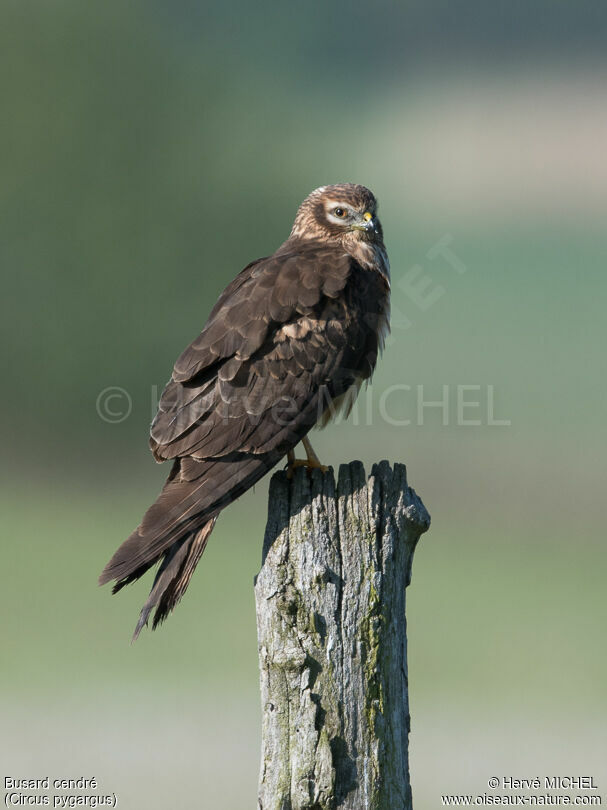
332, 639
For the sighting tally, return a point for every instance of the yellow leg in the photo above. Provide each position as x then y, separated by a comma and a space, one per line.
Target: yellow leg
312, 462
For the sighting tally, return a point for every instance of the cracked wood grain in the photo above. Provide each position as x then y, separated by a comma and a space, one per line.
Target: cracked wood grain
331, 627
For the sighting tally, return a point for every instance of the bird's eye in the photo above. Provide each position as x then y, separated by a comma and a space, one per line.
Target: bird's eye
340, 212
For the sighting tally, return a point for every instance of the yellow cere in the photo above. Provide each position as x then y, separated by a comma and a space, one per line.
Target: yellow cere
367, 216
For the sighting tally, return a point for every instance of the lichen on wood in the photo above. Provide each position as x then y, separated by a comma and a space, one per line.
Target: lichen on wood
332, 639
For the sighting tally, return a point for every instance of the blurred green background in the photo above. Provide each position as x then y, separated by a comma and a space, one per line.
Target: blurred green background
151, 150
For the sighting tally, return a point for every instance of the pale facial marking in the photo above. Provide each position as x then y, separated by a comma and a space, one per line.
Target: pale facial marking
349, 213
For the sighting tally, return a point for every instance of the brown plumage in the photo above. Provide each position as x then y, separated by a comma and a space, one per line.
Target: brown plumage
291, 336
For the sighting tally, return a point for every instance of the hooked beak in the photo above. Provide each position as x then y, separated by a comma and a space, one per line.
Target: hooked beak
368, 223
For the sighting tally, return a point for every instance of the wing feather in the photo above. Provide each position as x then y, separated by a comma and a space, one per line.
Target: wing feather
274, 352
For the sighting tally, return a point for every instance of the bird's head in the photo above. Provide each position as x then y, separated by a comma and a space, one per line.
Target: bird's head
344, 213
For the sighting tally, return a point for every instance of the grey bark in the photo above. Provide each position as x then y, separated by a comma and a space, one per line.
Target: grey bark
332, 639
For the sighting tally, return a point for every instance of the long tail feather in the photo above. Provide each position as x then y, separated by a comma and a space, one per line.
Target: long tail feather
175, 529
173, 576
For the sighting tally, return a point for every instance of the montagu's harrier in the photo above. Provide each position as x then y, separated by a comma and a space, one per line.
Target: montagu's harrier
288, 342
